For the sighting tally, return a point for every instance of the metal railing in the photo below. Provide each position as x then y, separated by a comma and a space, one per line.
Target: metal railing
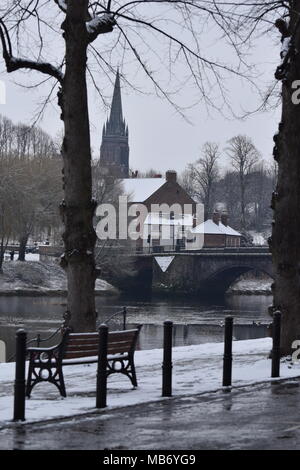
120, 312
38, 340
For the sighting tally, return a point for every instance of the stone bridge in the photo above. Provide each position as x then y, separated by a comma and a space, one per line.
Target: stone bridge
208, 271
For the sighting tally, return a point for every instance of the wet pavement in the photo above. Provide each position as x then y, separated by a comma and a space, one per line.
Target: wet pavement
265, 416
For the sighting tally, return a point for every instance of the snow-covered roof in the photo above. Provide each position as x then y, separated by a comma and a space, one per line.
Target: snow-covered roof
139, 189
154, 218
229, 230
210, 227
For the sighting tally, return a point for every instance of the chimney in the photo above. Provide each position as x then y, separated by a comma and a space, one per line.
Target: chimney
216, 217
224, 218
171, 176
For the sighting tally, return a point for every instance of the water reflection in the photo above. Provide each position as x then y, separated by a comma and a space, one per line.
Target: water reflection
196, 321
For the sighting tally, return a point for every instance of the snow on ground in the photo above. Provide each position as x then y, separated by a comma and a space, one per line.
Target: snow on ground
252, 286
28, 256
32, 257
196, 369
260, 238
39, 277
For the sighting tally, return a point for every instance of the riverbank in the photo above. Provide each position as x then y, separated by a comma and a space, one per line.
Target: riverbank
251, 284
34, 278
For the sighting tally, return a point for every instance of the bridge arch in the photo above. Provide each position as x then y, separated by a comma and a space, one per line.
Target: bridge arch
219, 281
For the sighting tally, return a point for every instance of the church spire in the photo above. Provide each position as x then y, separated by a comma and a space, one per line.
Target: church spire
116, 124
114, 150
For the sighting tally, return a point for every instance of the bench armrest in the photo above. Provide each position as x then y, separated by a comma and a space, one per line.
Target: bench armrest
49, 349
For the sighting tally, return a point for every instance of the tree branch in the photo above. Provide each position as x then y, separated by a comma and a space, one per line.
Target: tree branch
12, 63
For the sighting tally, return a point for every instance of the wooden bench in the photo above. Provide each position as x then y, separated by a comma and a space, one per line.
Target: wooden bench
46, 364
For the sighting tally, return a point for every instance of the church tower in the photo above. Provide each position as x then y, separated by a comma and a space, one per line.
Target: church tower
114, 150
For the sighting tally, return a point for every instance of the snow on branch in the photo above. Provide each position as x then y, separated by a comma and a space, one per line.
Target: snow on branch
13, 64
100, 25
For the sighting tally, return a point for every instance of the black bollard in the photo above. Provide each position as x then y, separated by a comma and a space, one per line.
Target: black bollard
276, 344
19, 398
227, 360
167, 360
101, 391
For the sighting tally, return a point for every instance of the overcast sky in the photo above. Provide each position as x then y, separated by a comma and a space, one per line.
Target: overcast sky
158, 137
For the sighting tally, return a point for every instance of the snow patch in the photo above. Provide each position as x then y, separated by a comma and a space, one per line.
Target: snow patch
38, 276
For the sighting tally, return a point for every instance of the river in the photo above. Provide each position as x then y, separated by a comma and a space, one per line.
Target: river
195, 320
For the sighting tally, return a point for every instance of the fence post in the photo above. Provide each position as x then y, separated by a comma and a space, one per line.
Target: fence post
124, 318
167, 360
276, 344
101, 391
19, 398
227, 359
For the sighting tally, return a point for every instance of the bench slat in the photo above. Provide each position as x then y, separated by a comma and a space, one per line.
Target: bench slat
86, 344
115, 337
95, 334
83, 336
125, 348
74, 354
121, 346
82, 347
78, 343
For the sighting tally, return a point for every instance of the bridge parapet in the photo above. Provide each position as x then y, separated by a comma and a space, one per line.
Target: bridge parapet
204, 272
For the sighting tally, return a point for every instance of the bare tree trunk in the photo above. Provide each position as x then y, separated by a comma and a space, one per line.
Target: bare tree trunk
22, 249
2, 251
78, 208
285, 242
243, 208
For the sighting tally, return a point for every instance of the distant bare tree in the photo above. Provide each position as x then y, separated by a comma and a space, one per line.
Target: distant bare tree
9, 198
41, 192
243, 157
228, 192
37, 182
260, 192
202, 176
7, 136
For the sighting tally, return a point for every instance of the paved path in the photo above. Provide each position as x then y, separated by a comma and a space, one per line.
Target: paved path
264, 416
